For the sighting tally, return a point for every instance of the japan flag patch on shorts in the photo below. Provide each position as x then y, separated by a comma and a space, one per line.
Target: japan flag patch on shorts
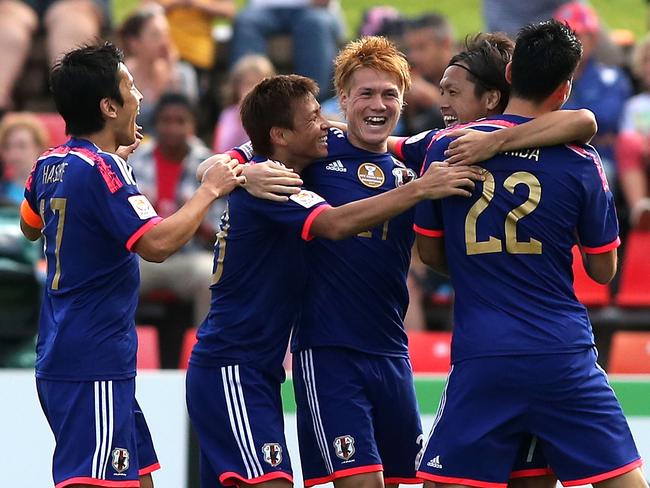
306, 198
142, 207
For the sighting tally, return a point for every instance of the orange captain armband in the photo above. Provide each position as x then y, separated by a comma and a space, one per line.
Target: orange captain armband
30, 217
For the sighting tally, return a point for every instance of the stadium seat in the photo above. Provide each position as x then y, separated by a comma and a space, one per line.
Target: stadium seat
189, 339
588, 291
55, 126
148, 351
629, 353
430, 351
634, 288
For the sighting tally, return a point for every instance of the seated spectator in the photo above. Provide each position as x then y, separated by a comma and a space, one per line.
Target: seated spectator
511, 15
67, 24
429, 43
312, 24
165, 168
153, 61
190, 23
633, 145
22, 140
600, 88
245, 74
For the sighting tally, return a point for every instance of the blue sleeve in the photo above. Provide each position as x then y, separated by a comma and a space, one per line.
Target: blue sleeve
428, 213
598, 224
124, 212
412, 150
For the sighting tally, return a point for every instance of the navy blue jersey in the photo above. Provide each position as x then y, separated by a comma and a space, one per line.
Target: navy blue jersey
93, 214
509, 246
356, 296
412, 150
258, 280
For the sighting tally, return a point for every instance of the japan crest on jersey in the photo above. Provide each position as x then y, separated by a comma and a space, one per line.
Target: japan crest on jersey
272, 453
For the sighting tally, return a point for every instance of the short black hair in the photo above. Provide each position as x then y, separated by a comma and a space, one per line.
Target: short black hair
434, 21
485, 58
271, 104
80, 80
173, 98
546, 54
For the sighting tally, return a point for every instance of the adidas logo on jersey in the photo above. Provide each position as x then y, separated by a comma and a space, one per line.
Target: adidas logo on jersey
435, 463
336, 166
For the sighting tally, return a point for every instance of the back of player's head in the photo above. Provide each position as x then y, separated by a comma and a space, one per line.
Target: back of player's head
546, 55
373, 52
80, 80
485, 58
271, 104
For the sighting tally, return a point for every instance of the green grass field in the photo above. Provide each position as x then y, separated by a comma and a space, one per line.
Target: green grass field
466, 15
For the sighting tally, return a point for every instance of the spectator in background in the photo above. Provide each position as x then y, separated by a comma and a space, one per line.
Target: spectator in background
429, 43
600, 88
22, 139
511, 15
67, 23
152, 59
190, 23
165, 168
245, 74
312, 24
633, 144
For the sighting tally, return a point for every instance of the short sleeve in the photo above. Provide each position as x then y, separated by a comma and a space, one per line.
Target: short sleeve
412, 150
29, 207
598, 224
124, 212
428, 213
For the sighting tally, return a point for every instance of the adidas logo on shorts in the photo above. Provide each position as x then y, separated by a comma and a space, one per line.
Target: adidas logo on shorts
435, 463
336, 166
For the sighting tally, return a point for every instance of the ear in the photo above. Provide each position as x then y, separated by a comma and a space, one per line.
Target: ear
493, 99
343, 101
108, 108
278, 136
563, 92
509, 72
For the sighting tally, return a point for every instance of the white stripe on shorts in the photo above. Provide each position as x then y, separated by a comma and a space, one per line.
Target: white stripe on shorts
441, 408
307, 365
103, 428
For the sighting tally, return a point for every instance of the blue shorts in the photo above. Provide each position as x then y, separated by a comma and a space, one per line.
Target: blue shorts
236, 412
101, 435
357, 413
490, 406
530, 461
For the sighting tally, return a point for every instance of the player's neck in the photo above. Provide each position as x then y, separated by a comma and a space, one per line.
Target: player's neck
526, 108
104, 140
289, 160
358, 142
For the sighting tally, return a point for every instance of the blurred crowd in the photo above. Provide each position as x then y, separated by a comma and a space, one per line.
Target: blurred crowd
194, 61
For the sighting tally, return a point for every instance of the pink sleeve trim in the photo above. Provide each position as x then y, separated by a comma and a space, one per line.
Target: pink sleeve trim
399, 146
306, 228
428, 232
459, 481
236, 155
605, 476
603, 249
82, 480
230, 478
372, 468
140, 232
149, 469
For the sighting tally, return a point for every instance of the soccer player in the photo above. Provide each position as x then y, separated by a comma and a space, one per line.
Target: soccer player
83, 199
523, 357
260, 275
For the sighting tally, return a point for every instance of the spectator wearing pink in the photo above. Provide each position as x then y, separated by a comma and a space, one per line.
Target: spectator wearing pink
22, 140
245, 74
633, 144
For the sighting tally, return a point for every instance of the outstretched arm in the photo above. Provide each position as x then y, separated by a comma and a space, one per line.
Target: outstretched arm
558, 127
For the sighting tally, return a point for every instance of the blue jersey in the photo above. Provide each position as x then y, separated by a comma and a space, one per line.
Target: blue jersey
258, 280
509, 247
413, 149
357, 296
93, 214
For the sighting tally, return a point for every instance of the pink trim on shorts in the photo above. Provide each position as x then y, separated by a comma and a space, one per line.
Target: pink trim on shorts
459, 481
149, 469
531, 473
228, 478
82, 480
372, 468
605, 476
140, 232
405, 481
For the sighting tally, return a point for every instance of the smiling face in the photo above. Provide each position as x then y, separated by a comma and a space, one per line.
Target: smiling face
459, 101
125, 123
308, 138
372, 103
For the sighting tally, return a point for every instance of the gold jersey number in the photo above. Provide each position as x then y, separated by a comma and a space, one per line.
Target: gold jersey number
57, 205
